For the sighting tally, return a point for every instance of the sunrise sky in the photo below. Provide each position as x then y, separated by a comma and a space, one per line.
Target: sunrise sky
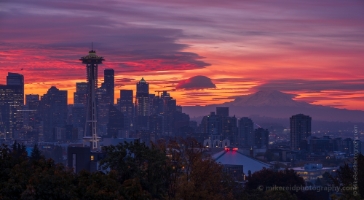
206, 51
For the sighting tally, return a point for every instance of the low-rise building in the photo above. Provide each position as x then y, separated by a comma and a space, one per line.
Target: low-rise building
310, 172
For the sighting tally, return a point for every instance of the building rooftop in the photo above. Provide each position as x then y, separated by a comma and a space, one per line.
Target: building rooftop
313, 167
235, 157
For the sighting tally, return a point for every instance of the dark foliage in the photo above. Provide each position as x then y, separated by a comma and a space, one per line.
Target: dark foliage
139, 168
174, 170
345, 179
35, 154
267, 177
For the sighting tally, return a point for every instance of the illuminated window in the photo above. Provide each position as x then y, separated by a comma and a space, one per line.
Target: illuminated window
92, 158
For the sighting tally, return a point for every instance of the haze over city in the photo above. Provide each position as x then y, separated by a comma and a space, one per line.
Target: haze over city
205, 52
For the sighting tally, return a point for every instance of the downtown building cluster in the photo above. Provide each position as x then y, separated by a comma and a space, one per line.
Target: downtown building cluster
302, 140
147, 116
73, 134
49, 118
96, 120
93, 116
219, 127
60, 129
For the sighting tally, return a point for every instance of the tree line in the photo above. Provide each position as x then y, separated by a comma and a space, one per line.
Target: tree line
166, 170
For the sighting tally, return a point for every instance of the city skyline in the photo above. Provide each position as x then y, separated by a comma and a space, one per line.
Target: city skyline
206, 99
208, 52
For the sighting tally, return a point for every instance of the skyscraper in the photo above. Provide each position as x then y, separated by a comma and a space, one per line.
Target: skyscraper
246, 132
300, 130
142, 87
30, 114
32, 101
11, 99
153, 104
168, 103
229, 129
109, 84
16, 79
11, 102
127, 107
80, 96
212, 127
103, 105
79, 116
53, 111
31, 121
142, 104
156, 126
92, 61
115, 123
167, 108
261, 138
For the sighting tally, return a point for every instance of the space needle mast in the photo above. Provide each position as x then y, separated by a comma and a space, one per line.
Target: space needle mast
92, 61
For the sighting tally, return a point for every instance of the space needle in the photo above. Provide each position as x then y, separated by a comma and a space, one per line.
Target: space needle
92, 61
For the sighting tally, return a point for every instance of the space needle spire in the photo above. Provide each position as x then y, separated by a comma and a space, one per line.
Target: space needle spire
92, 61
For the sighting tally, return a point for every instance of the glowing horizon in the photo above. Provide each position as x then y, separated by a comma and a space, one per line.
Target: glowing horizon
311, 49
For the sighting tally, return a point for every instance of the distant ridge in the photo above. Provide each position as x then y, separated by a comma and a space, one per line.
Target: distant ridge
266, 98
276, 104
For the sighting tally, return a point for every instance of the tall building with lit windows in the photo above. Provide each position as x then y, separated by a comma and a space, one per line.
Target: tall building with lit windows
11, 101
109, 84
142, 105
102, 106
261, 138
53, 111
30, 113
246, 132
300, 130
80, 96
115, 123
167, 107
229, 129
18, 80
127, 108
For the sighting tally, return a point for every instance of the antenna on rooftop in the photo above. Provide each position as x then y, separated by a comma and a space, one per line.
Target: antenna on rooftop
92, 46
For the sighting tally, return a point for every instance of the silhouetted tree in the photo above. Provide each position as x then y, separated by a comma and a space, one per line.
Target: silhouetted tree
269, 178
35, 154
136, 164
49, 181
98, 186
345, 179
201, 177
